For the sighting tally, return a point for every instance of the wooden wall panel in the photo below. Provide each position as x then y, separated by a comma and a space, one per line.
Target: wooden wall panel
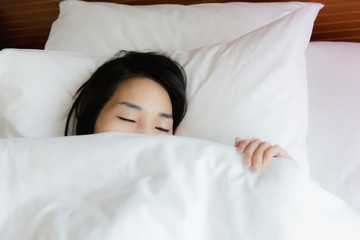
338, 22
27, 23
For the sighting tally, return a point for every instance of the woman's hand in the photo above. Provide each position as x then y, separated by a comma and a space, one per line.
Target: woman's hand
258, 153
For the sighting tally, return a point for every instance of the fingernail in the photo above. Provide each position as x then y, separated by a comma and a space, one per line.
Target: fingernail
247, 163
266, 162
256, 167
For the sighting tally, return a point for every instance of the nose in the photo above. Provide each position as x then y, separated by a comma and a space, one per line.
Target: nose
145, 129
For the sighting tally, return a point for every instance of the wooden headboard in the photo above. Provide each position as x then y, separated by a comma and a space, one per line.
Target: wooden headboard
27, 23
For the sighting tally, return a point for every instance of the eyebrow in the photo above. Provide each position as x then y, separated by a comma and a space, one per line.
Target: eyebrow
165, 115
137, 107
131, 105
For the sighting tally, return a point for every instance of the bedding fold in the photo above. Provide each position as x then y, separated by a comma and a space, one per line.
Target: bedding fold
133, 186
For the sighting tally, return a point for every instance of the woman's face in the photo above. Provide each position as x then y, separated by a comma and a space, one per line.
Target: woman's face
139, 105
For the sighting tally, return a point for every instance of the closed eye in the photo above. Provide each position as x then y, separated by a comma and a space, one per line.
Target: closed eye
162, 129
126, 119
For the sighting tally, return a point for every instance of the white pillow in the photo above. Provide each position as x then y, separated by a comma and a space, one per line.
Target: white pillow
36, 90
254, 86
97, 28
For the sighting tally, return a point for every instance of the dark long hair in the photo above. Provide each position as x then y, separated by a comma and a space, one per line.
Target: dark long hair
99, 88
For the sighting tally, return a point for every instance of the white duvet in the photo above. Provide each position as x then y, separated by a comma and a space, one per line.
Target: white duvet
132, 186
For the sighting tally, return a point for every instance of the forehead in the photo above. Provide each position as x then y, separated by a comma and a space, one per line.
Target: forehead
144, 92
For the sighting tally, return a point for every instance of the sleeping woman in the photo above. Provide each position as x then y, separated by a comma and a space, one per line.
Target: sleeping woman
145, 93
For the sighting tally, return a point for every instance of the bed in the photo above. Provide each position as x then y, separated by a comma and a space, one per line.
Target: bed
285, 72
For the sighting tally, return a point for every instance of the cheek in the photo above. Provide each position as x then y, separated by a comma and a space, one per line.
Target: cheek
104, 124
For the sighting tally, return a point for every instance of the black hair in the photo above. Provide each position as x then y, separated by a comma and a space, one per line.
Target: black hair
92, 96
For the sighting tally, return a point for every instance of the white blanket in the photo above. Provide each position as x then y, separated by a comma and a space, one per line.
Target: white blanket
131, 186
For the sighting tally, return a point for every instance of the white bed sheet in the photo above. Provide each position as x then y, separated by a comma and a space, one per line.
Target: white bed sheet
334, 118
133, 186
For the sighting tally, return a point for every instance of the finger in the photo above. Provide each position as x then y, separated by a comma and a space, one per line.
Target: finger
237, 141
249, 152
271, 152
258, 156
243, 144
277, 151
266, 160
